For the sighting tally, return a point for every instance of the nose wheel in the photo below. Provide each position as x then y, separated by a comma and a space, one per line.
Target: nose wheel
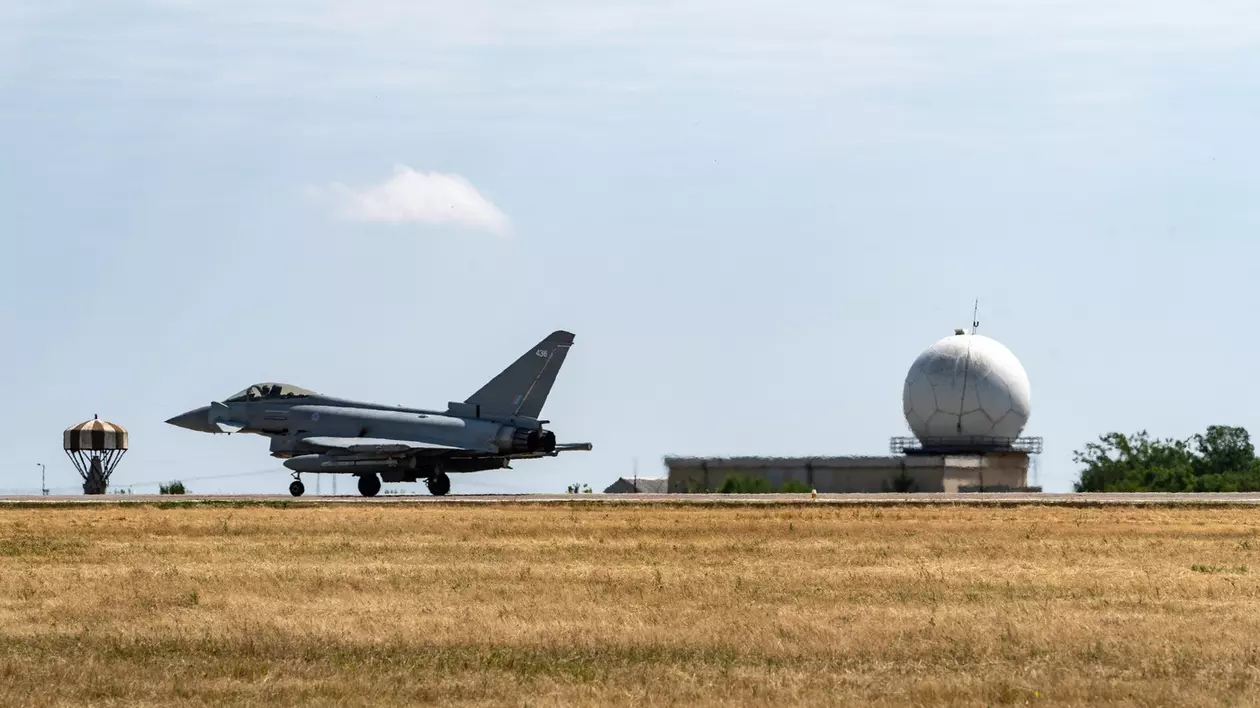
296, 488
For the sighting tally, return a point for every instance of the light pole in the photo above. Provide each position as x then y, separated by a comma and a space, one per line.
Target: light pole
43, 485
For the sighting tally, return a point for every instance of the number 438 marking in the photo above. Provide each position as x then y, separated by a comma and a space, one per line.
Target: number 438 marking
540, 352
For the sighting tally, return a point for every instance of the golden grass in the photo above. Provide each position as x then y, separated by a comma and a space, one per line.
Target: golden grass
632, 605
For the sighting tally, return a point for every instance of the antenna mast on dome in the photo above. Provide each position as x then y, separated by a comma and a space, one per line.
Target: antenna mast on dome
962, 404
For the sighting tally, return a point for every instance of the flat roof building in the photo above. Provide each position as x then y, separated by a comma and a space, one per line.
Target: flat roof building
990, 471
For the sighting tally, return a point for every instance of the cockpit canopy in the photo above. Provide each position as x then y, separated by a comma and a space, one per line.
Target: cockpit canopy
268, 392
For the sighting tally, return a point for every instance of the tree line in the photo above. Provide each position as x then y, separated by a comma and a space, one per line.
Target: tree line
1220, 460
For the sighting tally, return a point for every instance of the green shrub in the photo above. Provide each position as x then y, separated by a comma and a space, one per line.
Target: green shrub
176, 487
741, 484
903, 483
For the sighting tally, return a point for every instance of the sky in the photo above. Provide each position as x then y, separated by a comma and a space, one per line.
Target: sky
753, 216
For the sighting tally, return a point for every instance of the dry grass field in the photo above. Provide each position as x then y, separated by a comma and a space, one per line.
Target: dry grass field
628, 605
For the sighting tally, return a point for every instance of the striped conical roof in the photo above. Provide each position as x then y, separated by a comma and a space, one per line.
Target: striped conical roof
95, 434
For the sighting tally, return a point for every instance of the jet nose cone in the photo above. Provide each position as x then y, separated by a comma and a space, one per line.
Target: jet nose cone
197, 419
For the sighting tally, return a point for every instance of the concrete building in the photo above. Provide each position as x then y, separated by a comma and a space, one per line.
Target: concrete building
991, 471
638, 485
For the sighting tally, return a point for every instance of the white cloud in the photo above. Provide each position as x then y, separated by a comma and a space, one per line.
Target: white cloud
410, 196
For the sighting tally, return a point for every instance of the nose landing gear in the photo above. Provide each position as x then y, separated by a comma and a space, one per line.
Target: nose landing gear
296, 488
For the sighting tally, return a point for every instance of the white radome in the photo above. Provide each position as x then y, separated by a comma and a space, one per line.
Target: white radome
966, 386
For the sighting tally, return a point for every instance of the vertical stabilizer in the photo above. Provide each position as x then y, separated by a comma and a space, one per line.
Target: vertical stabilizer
522, 388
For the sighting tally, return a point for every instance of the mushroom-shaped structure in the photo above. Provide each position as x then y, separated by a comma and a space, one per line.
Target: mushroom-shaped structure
95, 447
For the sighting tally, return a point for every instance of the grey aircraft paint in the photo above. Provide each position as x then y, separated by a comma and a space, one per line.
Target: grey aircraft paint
312, 432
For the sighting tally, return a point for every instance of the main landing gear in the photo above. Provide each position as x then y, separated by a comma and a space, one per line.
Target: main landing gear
438, 485
369, 484
296, 487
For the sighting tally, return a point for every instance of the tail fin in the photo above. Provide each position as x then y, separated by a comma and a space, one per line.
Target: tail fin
522, 388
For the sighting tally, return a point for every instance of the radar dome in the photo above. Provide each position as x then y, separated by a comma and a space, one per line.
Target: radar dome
964, 387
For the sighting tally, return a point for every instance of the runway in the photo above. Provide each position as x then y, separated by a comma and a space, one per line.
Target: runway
987, 498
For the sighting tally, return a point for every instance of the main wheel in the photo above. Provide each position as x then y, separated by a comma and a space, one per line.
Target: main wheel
439, 485
369, 484
297, 488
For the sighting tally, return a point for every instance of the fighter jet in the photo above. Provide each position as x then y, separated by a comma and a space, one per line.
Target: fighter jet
312, 432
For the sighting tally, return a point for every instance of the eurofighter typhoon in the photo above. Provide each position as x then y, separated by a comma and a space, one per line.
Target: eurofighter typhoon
312, 432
